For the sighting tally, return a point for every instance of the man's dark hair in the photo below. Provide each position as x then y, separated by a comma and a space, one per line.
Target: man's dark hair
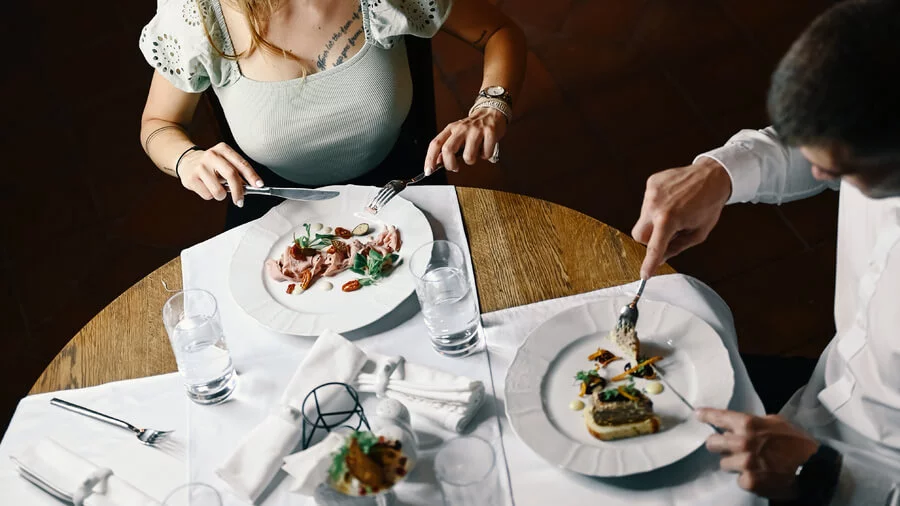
839, 84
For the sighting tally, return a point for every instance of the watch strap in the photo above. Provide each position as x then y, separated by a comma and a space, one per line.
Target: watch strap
818, 477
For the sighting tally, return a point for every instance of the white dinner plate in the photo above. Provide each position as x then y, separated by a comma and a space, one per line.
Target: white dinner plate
540, 384
313, 311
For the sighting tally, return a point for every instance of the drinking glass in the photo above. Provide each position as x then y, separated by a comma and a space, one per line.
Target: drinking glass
193, 494
447, 298
191, 318
466, 469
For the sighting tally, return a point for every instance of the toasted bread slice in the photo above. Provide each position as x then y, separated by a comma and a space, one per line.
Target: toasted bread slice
649, 425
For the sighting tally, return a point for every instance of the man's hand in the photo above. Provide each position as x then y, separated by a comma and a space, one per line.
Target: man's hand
766, 451
681, 206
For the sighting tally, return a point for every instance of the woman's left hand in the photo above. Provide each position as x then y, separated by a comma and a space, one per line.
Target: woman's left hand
474, 137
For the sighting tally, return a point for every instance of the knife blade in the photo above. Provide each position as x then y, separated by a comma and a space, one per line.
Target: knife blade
289, 193
668, 385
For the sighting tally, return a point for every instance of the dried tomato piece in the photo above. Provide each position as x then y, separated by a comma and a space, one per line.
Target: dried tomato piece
343, 233
305, 279
290, 288
351, 286
339, 246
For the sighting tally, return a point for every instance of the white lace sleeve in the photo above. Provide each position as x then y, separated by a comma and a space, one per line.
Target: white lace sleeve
390, 19
176, 44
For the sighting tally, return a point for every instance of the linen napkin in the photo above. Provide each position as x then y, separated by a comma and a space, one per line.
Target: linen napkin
259, 456
69, 477
310, 467
448, 400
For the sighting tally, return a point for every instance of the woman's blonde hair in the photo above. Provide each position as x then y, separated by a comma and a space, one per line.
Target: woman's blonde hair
257, 14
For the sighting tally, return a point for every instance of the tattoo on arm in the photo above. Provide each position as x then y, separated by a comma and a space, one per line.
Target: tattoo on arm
481, 42
155, 133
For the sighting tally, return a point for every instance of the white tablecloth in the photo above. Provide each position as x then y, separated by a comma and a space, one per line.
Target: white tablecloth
266, 360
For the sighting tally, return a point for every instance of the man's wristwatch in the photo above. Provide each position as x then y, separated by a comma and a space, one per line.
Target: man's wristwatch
817, 478
497, 93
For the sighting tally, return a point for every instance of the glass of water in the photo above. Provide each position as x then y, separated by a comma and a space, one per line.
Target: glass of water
193, 494
466, 468
447, 298
191, 318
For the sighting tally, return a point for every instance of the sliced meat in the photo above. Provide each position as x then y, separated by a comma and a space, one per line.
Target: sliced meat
273, 269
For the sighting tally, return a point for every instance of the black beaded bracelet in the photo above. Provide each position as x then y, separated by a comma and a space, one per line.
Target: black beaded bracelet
186, 151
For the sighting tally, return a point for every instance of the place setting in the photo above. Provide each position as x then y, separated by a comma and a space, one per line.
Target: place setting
331, 353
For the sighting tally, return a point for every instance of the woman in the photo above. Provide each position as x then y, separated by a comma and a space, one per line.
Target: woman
314, 91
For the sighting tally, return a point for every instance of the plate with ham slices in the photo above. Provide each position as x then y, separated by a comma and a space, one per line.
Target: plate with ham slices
308, 266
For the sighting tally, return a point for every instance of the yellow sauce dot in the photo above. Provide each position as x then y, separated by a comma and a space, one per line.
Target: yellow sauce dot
576, 405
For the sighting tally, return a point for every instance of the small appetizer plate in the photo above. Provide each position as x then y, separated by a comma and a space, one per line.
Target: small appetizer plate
313, 311
541, 385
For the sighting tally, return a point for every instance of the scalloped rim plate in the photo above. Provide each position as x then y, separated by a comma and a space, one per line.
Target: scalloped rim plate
540, 385
312, 312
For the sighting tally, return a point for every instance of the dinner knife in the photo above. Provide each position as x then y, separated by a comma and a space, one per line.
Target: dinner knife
289, 193
662, 378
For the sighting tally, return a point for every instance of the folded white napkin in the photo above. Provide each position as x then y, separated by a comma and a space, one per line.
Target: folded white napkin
250, 469
71, 478
310, 467
446, 399
450, 401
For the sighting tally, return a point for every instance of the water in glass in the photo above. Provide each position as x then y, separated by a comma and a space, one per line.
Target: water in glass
451, 314
203, 359
191, 318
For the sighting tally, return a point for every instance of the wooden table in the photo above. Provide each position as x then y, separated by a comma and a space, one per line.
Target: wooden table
524, 250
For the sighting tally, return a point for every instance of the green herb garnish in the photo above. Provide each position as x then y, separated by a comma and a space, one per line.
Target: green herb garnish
319, 242
584, 376
374, 266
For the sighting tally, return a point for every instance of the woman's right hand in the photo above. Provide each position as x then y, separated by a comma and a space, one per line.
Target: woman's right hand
202, 172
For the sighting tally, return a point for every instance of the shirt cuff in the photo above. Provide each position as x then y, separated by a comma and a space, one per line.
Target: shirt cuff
742, 167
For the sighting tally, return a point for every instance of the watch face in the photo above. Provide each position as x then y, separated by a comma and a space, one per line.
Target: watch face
495, 91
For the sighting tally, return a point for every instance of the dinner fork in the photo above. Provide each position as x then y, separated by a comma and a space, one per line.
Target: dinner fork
149, 437
628, 316
395, 186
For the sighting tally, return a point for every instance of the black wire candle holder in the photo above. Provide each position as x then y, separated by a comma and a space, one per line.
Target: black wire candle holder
322, 418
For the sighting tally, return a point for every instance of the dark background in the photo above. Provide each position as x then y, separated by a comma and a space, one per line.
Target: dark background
615, 90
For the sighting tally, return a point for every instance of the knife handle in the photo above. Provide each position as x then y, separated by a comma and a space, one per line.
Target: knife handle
252, 190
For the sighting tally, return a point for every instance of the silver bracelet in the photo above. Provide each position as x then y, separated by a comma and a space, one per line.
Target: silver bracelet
496, 104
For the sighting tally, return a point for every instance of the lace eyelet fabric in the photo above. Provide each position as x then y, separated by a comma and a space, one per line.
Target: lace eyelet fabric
421, 14
193, 12
167, 55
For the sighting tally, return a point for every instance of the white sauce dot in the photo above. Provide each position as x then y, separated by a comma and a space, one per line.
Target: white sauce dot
576, 405
316, 227
654, 387
325, 285
326, 230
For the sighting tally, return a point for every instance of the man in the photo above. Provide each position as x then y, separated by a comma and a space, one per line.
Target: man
834, 102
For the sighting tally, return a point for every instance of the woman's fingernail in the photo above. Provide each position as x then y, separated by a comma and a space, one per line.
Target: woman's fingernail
428, 171
240, 203
259, 183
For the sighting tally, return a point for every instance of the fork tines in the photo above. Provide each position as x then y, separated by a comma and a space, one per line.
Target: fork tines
381, 198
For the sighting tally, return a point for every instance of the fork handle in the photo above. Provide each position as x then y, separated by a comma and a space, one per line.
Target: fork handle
90, 413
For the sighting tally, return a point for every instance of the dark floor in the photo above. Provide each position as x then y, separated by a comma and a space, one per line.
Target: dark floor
616, 90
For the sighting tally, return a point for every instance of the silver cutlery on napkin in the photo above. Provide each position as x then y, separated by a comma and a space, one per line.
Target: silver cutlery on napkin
149, 437
288, 193
395, 186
